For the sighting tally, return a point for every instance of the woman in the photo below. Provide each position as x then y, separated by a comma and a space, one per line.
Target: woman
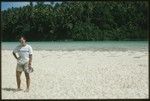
23, 61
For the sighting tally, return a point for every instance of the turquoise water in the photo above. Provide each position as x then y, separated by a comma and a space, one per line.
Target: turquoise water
86, 45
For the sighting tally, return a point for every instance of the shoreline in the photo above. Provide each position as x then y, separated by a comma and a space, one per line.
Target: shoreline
101, 50
83, 46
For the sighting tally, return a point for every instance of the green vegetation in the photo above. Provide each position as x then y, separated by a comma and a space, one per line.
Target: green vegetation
79, 21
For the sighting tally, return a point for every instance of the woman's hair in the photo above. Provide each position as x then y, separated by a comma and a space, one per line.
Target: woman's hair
21, 36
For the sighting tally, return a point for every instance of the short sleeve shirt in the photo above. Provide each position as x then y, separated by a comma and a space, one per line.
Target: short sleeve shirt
23, 52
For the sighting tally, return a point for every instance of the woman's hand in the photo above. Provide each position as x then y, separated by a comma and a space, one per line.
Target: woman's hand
29, 65
18, 58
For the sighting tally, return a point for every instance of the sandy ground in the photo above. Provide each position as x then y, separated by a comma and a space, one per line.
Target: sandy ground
79, 75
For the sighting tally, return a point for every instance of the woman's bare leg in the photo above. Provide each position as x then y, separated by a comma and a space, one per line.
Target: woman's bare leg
27, 81
18, 76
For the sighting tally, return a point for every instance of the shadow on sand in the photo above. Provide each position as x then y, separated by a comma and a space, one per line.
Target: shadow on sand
10, 89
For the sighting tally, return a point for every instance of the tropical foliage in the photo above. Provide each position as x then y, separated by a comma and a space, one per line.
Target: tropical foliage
76, 20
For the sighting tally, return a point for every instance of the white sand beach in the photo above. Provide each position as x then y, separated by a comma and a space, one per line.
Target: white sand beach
79, 75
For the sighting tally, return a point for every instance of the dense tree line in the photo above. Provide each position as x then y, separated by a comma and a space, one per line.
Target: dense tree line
99, 20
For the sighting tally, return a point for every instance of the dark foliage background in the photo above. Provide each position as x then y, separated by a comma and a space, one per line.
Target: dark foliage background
79, 21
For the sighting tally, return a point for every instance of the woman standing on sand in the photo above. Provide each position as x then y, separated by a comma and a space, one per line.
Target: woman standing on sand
23, 61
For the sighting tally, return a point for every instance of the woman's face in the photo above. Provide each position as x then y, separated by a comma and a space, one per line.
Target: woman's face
22, 41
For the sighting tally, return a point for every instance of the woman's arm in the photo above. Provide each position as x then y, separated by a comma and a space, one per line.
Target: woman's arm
15, 55
30, 59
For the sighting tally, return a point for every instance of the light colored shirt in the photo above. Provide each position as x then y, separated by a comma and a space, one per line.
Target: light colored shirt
23, 52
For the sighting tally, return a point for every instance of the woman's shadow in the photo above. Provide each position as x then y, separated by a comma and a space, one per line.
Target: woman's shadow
10, 89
